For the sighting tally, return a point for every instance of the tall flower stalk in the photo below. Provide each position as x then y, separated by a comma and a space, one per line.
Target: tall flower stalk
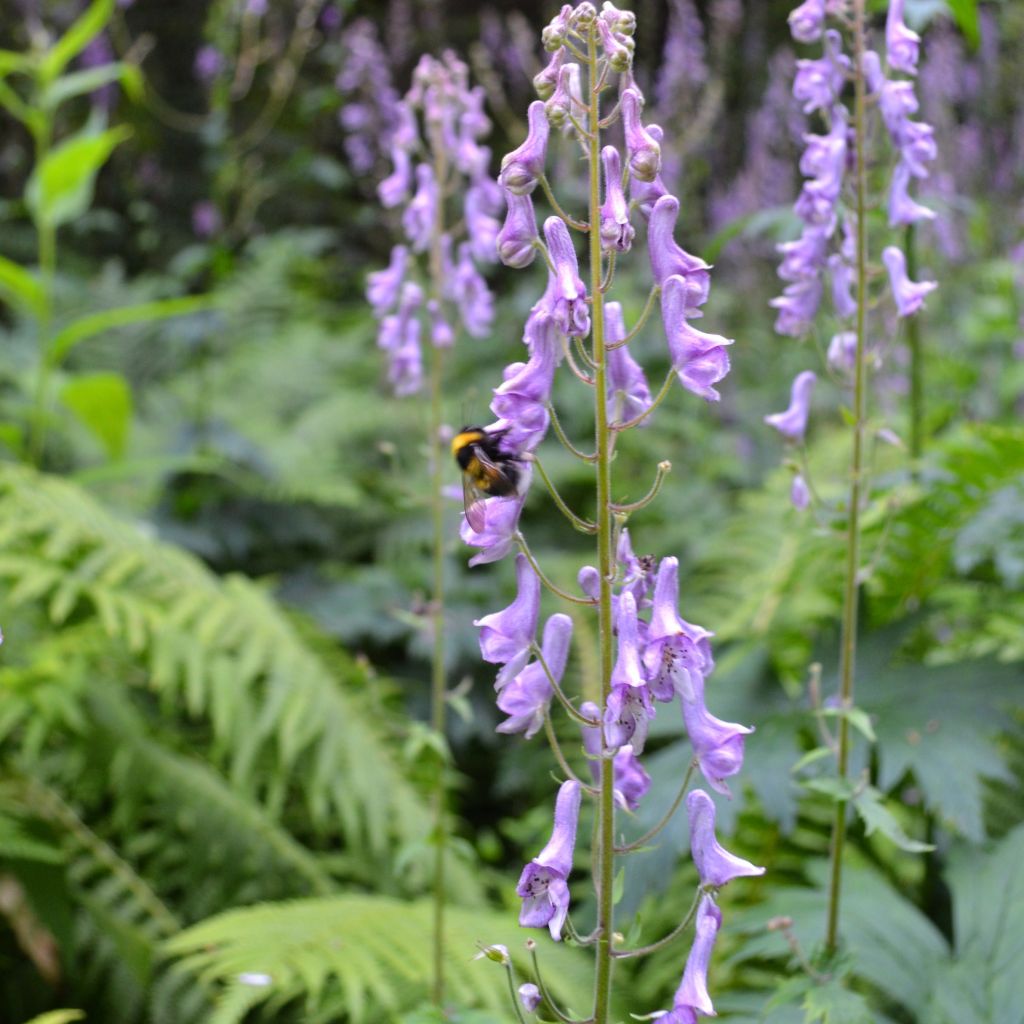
430, 288
647, 654
834, 206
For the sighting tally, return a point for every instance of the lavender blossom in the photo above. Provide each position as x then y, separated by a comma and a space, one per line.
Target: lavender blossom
807, 21
902, 209
668, 258
419, 216
631, 779
506, 636
819, 82
526, 696
529, 996
522, 168
909, 295
717, 745
628, 392
566, 102
793, 422
383, 285
644, 194
395, 187
475, 301
627, 670
517, 239
543, 885
843, 276
570, 298
799, 493
901, 43
500, 518
715, 865
842, 352
692, 996
616, 231
546, 81
643, 152
699, 359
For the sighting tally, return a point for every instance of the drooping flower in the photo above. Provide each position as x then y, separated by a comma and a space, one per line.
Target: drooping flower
843, 302
627, 716
506, 636
566, 102
525, 697
395, 187
543, 885
382, 286
902, 209
717, 745
797, 305
522, 168
807, 21
692, 996
629, 394
627, 670
799, 493
842, 352
819, 82
901, 43
793, 422
909, 295
570, 310
646, 193
516, 241
529, 996
668, 258
616, 231
546, 80
805, 256
675, 651
631, 779
399, 337
642, 151
715, 865
500, 517
699, 359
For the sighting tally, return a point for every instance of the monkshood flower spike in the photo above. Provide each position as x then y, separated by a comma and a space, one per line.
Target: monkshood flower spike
647, 654
448, 209
868, 126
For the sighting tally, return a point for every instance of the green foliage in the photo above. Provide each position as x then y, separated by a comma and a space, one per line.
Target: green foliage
103, 404
368, 954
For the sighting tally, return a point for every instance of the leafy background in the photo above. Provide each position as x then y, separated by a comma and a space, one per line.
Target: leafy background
214, 665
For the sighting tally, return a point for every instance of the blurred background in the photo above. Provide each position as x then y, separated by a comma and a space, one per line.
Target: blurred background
214, 537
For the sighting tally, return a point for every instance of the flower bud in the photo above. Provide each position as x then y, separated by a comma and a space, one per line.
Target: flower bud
553, 35
498, 953
515, 242
529, 996
544, 82
644, 153
521, 168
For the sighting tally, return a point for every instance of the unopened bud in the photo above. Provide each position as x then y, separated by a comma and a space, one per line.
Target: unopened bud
498, 953
778, 924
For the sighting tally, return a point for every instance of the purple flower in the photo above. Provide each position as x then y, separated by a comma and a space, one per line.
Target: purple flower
483, 201
627, 717
525, 697
843, 301
793, 422
545, 82
668, 258
824, 160
797, 306
500, 519
715, 865
627, 670
570, 310
804, 257
626, 380
519, 402
208, 64
646, 193
642, 151
699, 359
506, 636
521, 169
516, 241
807, 21
631, 779
901, 44
636, 573
529, 996
676, 652
692, 996
474, 299
917, 147
567, 99
818, 83
896, 101
903, 209
717, 745
206, 220
382, 286
543, 885
618, 48
909, 295
616, 231
399, 336
842, 352
418, 218
395, 187
799, 493
441, 333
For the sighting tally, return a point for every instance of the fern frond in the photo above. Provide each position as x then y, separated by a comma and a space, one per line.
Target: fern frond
372, 950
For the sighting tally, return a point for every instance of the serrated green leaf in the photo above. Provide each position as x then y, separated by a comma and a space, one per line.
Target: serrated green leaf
103, 403
877, 817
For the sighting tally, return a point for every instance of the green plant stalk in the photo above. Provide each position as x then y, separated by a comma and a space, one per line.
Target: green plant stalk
851, 588
438, 695
604, 855
913, 330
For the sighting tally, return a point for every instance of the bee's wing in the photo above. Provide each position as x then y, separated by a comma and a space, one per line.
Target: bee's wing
492, 467
473, 499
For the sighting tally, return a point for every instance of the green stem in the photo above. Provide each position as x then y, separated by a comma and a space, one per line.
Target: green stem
660, 397
557, 591
604, 854
578, 522
545, 994
438, 695
47, 253
666, 818
913, 329
625, 954
560, 433
634, 506
652, 297
851, 588
557, 207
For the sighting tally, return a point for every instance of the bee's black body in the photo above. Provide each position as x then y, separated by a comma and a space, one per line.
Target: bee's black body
487, 471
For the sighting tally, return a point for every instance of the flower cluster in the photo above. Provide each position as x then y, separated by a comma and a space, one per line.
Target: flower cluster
654, 656
443, 118
819, 85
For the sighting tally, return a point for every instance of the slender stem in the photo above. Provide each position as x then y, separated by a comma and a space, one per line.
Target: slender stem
574, 712
571, 363
578, 522
652, 297
604, 854
625, 954
606, 281
557, 591
560, 433
514, 994
634, 506
660, 397
438, 688
556, 749
848, 650
557, 206
666, 818
913, 329
582, 352
532, 946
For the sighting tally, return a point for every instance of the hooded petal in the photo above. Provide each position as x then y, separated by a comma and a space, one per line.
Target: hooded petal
505, 636
715, 864
793, 422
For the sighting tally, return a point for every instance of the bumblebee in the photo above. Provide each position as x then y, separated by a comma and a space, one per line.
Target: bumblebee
487, 471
